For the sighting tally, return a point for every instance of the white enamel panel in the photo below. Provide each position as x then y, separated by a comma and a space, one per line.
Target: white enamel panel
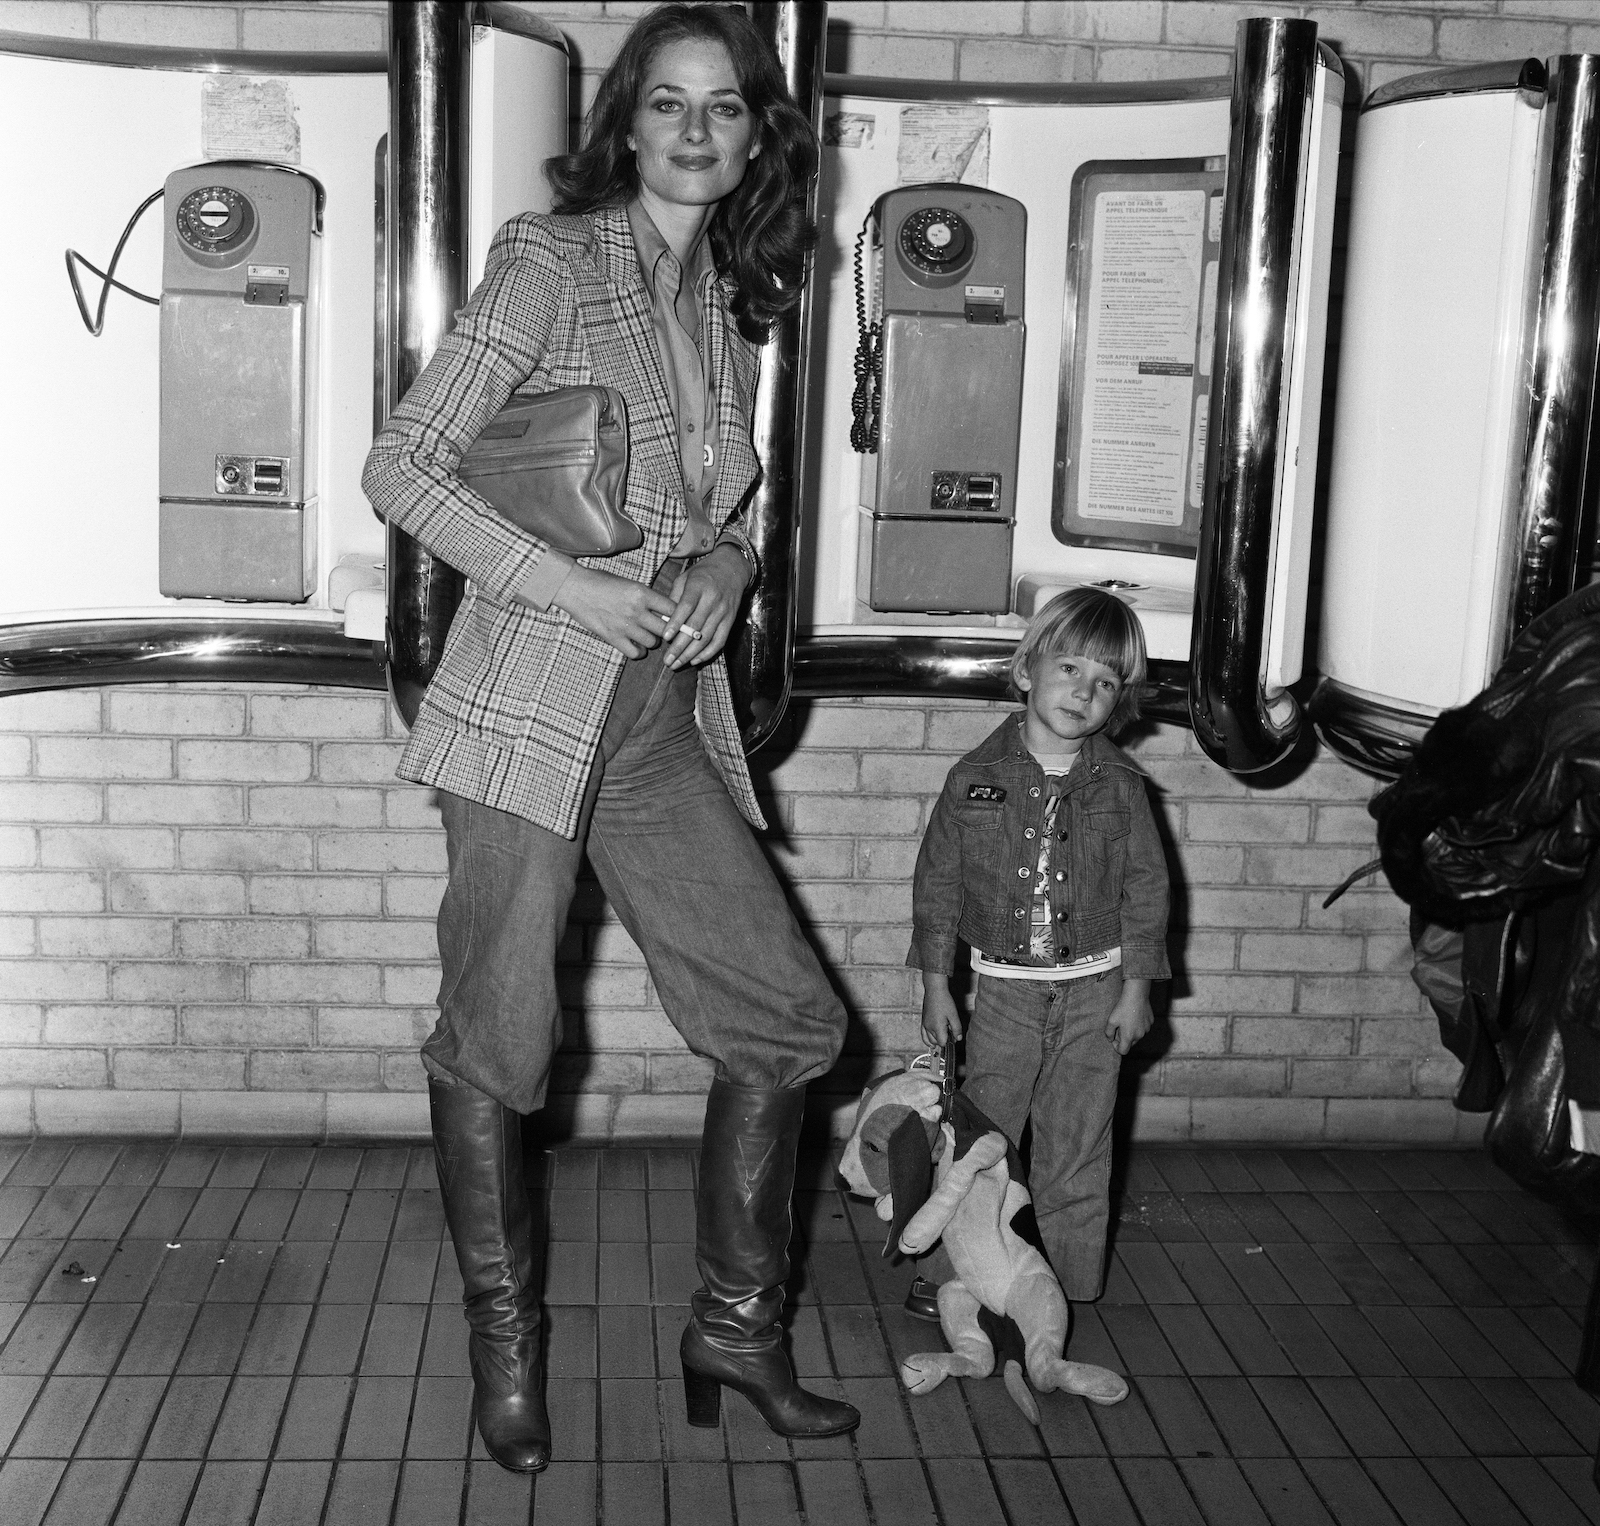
519, 119
81, 418
1428, 412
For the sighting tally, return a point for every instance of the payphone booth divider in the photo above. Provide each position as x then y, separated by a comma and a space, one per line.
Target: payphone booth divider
1521, 506
427, 280
1561, 474
1255, 529
760, 655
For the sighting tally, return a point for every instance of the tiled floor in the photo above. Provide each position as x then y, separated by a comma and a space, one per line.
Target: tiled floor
235, 1335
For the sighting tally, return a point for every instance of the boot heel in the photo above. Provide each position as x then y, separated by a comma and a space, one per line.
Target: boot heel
702, 1398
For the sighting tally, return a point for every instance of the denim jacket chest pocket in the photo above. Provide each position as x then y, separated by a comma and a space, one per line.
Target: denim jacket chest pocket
979, 815
1107, 823
983, 842
1103, 821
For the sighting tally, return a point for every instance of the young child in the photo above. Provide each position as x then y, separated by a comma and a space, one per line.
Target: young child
1042, 855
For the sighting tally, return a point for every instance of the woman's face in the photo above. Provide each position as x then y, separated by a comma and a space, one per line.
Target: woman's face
692, 133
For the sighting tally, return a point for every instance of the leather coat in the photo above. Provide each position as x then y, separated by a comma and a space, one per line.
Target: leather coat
1492, 829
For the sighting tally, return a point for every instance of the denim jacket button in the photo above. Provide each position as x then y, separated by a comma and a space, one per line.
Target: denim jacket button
1061, 916
1022, 873
1017, 912
1028, 833
1034, 792
1061, 874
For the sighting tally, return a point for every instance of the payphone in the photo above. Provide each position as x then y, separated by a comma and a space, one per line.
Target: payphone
238, 474
939, 399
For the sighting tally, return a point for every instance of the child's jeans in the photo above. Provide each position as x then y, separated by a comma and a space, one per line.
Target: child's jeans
1039, 1048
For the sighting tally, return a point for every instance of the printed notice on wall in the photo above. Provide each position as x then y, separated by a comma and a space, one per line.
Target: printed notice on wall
1144, 309
1131, 439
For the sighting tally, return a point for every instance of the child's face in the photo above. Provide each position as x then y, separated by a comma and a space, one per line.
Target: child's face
1070, 697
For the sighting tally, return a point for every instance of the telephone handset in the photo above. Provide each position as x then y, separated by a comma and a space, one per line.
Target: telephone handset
935, 247
866, 402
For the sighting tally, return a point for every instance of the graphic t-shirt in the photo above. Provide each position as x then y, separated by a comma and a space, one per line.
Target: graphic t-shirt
1041, 925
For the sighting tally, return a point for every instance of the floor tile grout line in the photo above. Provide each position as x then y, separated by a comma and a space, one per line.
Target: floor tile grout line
377, 1288
311, 1324
108, 1375
33, 1300
172, 1375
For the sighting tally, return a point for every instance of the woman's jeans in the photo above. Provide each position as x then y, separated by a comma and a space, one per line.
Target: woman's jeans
689, 882
1039, 1048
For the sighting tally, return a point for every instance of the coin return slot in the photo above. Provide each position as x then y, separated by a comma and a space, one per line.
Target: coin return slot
983, 493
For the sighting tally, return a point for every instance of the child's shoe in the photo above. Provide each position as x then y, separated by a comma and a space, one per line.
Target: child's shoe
922, 1302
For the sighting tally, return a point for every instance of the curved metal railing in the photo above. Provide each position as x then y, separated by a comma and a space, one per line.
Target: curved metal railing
1560, 476
426, 218
761, 658
1238, 723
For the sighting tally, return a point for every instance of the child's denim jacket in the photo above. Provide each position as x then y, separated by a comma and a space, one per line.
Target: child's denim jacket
975, 872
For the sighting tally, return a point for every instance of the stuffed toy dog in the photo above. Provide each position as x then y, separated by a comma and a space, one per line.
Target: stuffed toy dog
936, 1167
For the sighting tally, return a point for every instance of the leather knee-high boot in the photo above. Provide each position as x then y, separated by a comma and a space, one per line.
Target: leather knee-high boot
742, 1227
477, 1146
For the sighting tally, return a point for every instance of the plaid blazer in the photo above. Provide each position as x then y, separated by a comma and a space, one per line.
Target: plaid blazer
513, 715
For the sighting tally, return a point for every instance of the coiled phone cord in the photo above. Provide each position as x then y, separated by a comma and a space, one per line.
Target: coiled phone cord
867, 399
108, 276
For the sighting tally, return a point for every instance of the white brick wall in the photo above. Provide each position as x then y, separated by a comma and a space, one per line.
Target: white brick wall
188, 940
216, 904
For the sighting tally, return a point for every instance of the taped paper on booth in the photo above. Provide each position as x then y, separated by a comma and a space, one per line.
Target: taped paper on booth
849, 129
245, 118
942, 142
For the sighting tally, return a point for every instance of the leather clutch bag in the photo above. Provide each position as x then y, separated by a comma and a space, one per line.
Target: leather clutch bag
556, 465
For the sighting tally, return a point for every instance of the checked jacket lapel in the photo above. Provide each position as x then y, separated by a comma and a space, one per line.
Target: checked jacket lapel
615, 312
733, 363
617, 324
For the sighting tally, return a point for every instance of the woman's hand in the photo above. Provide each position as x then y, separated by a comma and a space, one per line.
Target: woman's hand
707, 598
630, 616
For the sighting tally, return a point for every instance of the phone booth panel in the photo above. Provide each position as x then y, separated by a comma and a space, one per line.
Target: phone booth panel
1154, 294
194, 472
863, 162
1440, 241
1461, 492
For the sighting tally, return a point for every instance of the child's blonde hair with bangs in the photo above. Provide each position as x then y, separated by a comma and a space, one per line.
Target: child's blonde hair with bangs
1092, 623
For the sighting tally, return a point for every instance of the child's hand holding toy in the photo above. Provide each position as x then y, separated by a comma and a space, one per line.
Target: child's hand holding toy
941, 1017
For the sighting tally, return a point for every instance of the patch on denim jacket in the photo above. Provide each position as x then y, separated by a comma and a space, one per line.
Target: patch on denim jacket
985, 792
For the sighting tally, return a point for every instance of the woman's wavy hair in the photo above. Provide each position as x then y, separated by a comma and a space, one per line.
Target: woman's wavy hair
760, 234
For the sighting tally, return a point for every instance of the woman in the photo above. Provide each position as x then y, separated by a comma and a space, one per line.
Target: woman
586, 703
